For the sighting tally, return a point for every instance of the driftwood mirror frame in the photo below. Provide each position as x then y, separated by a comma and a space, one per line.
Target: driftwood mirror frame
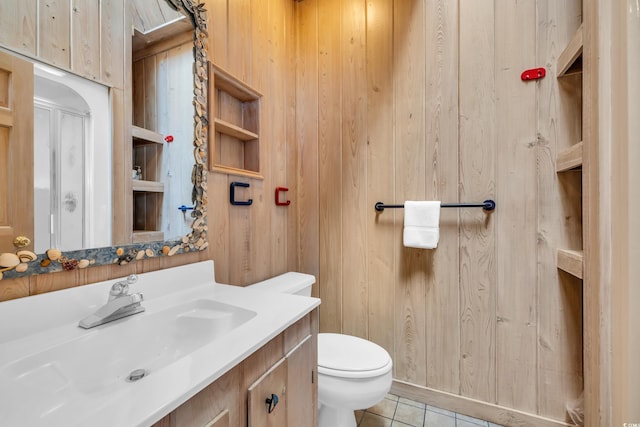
53, 260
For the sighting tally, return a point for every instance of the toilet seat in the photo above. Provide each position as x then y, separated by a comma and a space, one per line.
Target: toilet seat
347, 356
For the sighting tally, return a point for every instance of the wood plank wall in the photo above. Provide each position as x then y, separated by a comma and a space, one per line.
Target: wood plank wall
254, 41
416, 100
79, 36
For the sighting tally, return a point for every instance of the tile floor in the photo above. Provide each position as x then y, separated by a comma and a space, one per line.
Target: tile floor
396, 411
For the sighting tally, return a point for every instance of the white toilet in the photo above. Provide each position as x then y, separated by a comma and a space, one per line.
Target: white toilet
353, 373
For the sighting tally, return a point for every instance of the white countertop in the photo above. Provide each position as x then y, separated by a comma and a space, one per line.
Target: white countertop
34, 324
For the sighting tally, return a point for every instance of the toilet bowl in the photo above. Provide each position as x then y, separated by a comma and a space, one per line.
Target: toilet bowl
353, 373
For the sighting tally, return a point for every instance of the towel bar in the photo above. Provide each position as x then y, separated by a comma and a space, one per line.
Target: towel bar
487, 205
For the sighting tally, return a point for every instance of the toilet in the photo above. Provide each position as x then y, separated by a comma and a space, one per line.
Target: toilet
353, 373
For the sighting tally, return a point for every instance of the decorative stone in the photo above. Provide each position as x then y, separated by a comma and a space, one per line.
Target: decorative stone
119, 251
54, 254
165, 250
21, 241
26, 256
84, 263
22, 267
9, 260
45, 262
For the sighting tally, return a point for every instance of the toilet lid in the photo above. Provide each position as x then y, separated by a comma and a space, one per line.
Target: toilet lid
338, 352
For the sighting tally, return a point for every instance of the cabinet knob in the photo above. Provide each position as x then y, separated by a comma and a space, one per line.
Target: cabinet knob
272, 402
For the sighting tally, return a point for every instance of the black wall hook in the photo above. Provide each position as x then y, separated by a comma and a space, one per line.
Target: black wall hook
232, 194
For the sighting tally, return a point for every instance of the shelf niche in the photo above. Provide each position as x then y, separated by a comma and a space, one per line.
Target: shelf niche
234, 108
148, 192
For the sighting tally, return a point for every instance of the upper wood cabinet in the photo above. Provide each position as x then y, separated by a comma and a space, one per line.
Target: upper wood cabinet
234, 107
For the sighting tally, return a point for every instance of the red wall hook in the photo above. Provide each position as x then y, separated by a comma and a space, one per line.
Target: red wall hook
168, 138
280, 202
533, 74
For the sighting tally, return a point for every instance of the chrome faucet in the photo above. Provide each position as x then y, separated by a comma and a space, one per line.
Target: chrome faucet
120, 304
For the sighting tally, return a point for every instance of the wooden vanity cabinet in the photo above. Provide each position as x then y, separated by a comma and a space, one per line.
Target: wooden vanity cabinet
285, 366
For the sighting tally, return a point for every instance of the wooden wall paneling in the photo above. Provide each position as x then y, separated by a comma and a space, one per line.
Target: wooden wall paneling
516, 225
239, 19
122, 164
275, 150
218, 216
43, 283
113, 33
217, 13
559, 348
14, 288
441, 164
307, 136
477, 182
18, 25
150, 93
262, 232
138, 93
413, 265
330, 169
291, 142
596, 240
354, 167
241, 245
380, 172
85, 39
54, 32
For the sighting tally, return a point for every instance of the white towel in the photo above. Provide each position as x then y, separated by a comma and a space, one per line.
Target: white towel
421, 224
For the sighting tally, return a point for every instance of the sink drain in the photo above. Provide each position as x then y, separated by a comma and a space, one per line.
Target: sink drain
136, 375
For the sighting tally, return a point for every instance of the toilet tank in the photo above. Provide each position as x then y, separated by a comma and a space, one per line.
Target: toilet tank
288, 283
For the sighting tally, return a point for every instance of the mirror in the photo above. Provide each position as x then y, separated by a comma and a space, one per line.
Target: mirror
72, 198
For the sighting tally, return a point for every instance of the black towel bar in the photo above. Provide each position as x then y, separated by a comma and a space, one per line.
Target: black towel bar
487, 205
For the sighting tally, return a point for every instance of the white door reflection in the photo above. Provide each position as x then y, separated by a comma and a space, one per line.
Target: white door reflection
72, 167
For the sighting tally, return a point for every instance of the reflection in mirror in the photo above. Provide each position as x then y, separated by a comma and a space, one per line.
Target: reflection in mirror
72, 162
88, 170
162, 103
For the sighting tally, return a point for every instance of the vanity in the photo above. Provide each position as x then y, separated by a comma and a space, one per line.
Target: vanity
200, 354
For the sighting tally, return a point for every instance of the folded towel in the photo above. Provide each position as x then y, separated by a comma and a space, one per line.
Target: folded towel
421, 224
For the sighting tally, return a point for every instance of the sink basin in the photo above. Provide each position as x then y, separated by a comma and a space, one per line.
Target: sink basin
102, 358
56, 374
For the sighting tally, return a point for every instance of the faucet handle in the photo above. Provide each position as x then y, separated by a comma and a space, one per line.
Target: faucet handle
122, 288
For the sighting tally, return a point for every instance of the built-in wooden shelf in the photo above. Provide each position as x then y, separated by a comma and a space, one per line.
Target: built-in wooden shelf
148, 186
571, 158
234, 109
229, 170
147, 236
145, 136
234, 131
226, 82
570, 261
570, 60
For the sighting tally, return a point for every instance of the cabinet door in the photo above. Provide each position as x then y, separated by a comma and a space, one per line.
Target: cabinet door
221, 420
302, 402
16, 150
273, 382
